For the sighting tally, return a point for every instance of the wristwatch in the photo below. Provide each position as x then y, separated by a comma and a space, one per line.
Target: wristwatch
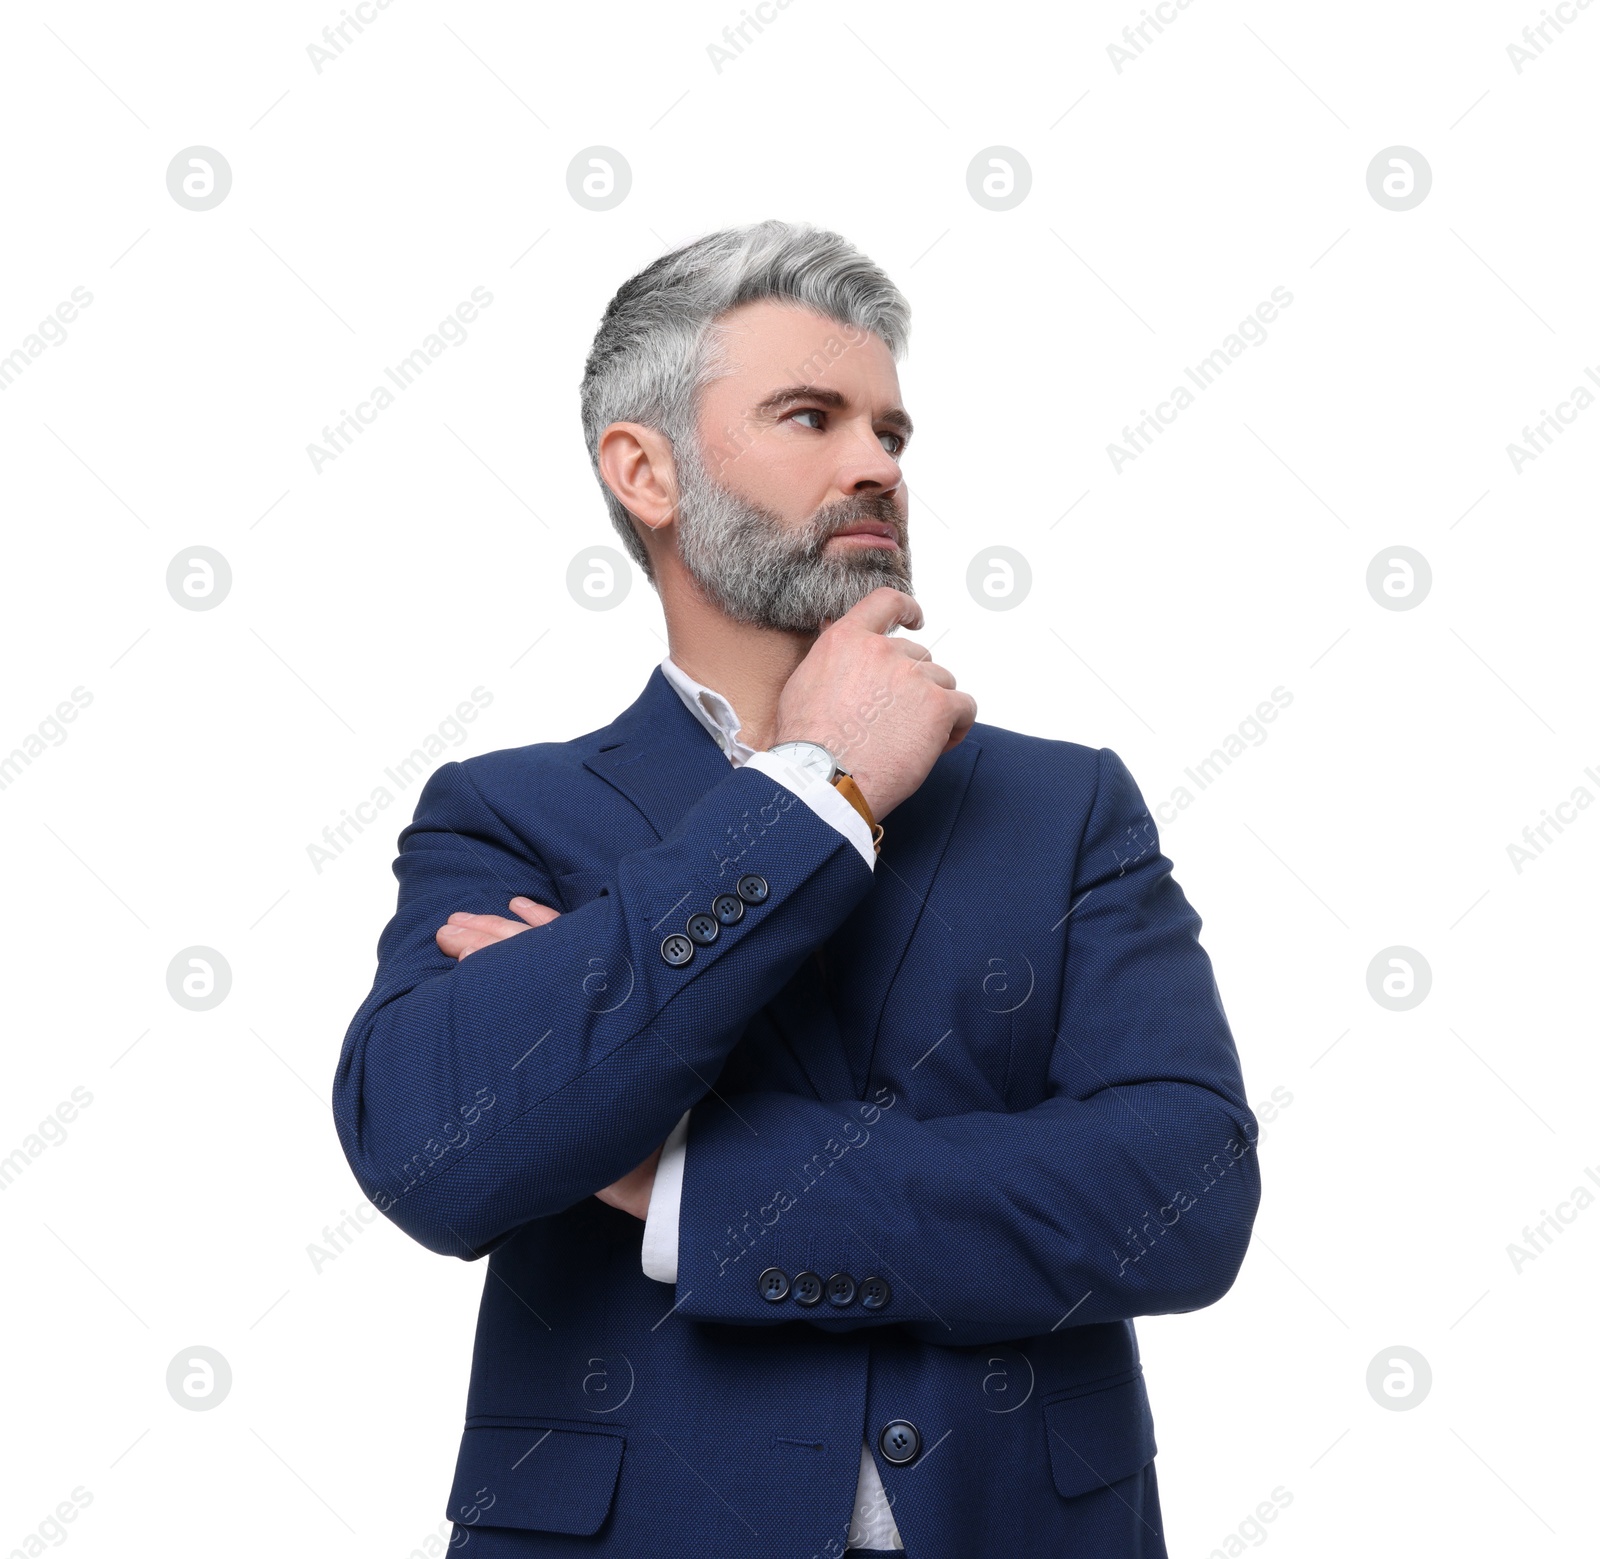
814, 759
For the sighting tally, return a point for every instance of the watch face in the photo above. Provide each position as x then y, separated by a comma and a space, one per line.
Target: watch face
809, 758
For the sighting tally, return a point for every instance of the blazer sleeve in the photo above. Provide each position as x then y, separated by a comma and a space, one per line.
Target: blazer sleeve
1130, 1190
471, 1097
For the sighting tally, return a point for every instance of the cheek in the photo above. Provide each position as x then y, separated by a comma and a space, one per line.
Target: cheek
792, 485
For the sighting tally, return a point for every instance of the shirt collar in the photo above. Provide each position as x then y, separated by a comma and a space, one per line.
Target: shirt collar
711, 709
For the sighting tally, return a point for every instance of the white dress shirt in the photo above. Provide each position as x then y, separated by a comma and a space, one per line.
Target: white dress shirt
871, 1521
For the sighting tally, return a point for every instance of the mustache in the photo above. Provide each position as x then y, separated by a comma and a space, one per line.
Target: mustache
827, 522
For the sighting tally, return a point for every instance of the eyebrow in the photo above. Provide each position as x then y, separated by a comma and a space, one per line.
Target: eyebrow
895, 417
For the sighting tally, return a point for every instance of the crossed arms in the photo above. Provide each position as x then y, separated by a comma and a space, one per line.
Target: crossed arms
1129, 1191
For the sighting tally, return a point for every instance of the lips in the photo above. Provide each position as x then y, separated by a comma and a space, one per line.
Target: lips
880, 530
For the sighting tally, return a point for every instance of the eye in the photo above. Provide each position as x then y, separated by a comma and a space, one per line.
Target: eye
893, 443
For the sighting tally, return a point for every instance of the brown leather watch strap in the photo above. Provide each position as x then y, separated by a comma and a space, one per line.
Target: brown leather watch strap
851, 792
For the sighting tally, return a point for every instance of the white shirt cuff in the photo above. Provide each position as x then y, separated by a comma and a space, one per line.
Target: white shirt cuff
660, 1253
823, 799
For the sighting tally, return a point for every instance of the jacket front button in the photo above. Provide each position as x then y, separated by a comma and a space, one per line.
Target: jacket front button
899, 1442
677, 949
773, 1284
841, 1289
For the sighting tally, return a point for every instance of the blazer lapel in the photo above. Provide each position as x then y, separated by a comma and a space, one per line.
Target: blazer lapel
865, 953
658, 755
663, 760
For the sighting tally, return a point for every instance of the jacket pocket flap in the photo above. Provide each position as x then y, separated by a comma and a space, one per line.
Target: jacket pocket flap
1100, 1437
543, 1479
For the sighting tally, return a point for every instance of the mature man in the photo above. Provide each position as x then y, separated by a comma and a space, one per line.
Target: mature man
851, 1074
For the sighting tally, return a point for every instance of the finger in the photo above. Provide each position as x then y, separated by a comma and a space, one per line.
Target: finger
493, 928
966, 712
500, 923
466, 920
460, 941
925, 663
937, 674
534, 913
500, 928
457, 941
909, 648
884, 609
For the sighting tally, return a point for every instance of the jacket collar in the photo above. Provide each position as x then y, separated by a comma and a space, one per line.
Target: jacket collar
684, 761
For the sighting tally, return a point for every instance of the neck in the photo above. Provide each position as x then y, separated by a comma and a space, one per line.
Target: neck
746, 664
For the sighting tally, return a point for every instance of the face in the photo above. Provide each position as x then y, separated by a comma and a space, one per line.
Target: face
793, 507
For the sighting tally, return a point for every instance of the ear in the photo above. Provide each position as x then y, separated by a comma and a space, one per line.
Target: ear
636, 464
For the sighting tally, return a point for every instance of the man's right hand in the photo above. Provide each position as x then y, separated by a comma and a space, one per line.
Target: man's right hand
880, 705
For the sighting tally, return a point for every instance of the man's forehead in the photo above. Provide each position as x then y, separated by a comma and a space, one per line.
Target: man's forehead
771, 345
770, 328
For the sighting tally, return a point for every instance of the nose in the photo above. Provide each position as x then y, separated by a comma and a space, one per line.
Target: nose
870, 468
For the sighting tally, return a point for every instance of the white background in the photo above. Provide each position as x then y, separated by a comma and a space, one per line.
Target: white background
1168, 199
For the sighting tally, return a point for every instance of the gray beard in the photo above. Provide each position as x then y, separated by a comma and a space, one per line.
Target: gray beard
758, 569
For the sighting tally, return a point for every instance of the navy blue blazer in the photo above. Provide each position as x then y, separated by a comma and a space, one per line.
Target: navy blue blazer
1001, 1116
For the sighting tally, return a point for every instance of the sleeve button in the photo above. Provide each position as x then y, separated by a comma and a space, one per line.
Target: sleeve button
752, 888
677, 949
807, 1289
702, 929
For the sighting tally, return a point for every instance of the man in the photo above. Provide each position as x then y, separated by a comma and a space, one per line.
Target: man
851, 1074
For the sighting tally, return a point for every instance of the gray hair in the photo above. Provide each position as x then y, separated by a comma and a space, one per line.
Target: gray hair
657, 349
